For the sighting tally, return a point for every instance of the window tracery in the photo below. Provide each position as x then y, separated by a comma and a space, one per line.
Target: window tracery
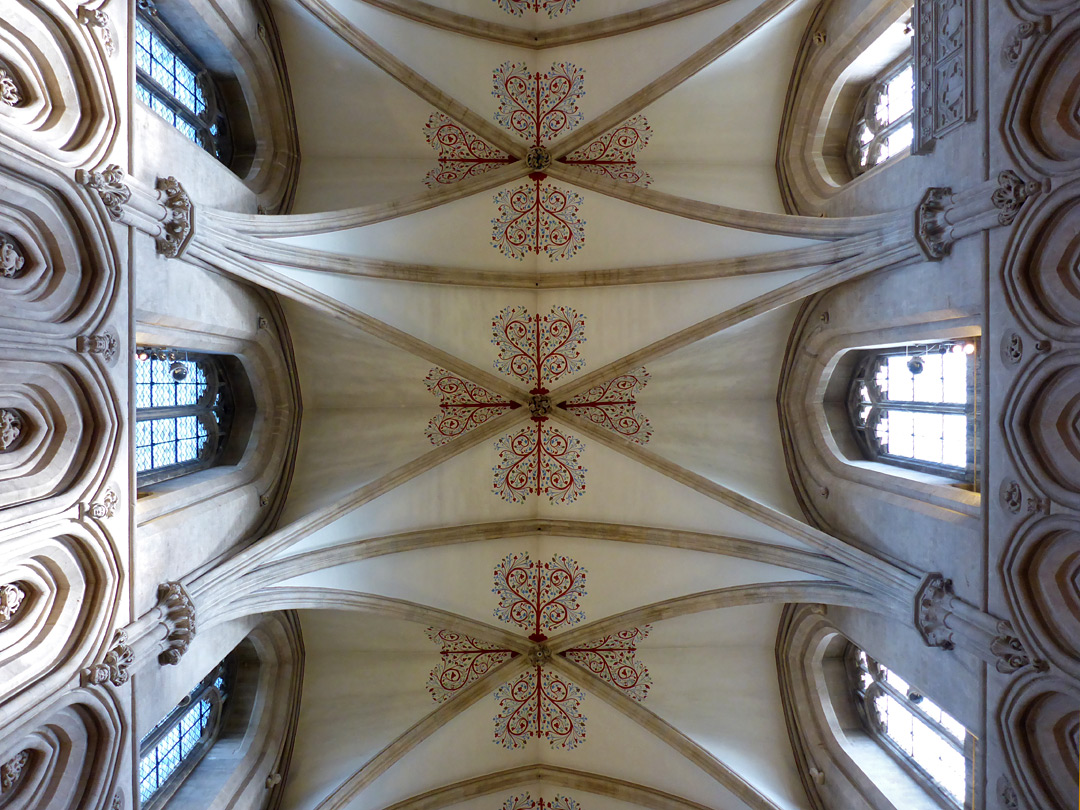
914, 407
172, 82
882, 126
928, 741
183, 411
176, 744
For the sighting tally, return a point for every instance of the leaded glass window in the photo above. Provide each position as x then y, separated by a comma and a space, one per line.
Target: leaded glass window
929, 742
182, 412
176, 743
882, 126
914, 406
171, 82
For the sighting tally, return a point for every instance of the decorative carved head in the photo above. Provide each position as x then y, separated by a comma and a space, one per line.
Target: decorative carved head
11, 257
11, 428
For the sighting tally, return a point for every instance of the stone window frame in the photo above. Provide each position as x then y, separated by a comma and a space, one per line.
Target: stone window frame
207, 689
212, 129
863, 373
863, 699
863, 114
218, 398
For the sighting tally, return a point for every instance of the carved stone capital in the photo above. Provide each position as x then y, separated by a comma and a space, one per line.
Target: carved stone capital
12, 428
12, 259
932, 230
538, 158
178, 616
11, 600
179, 224
104, 343
1011, 194
933, 604
110, 187
115, 666
10, 92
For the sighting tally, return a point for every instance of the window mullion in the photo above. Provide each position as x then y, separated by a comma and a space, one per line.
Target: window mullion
925, 407
915, 709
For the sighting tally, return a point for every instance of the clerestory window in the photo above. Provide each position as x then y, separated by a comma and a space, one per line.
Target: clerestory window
882, 126
914, 406
176, 744
183, 410
932, 745
172, 82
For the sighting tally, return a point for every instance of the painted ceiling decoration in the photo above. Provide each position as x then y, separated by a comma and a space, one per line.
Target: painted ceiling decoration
523, 801
554, 8
537, 459
537, 216
541, 597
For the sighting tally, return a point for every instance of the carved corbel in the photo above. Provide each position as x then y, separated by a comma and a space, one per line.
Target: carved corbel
178, 616
98, 21
178, 226
933, 605
933, 231
115, 667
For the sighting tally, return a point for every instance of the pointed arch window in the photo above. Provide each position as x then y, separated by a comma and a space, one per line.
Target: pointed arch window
183, 410
914, 407
172, 82
882, 126
931, 744
177, 743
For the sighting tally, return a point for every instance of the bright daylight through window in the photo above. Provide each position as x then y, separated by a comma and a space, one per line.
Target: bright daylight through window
912, 727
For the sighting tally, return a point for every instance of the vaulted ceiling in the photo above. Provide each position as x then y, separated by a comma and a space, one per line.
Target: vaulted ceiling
710, 728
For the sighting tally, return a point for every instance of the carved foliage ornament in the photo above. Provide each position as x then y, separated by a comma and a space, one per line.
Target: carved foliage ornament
12, 428
943, 92
1011, 194
12, 598
11, 772
1013, 47
115, 667
98, 20
10, 94
110, 187
1010, 652
104, 344
12, 259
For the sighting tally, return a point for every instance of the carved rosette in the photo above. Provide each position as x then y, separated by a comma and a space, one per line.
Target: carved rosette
538, 158
12, 598
178, 616
12, 428
12, 259
179, 224
110, 187
115, 667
